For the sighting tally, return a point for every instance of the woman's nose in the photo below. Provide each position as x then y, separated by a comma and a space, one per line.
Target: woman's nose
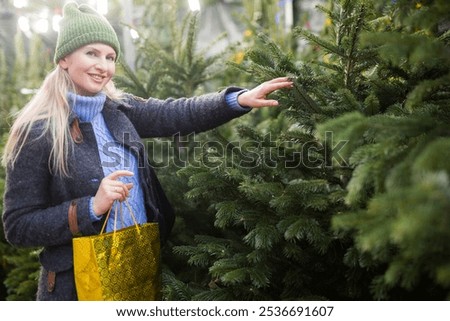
101, 64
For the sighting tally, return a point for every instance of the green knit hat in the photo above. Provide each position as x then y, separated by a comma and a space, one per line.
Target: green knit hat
80, 26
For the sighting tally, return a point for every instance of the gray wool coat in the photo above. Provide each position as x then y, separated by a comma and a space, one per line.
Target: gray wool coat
36, 202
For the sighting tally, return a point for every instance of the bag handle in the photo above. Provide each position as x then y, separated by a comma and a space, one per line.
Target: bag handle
121, 214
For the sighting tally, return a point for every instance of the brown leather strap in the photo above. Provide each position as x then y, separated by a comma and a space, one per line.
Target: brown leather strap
75, 131
73, 221
51, 281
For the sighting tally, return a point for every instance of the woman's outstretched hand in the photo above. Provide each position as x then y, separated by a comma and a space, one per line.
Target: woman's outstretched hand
256, 97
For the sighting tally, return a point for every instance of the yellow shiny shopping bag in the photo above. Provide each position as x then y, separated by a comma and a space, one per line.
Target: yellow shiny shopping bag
122, 265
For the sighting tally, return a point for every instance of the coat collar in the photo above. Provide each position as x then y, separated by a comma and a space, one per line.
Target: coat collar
118, 123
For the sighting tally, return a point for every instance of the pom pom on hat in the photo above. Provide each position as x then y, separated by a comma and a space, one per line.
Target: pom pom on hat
80, 26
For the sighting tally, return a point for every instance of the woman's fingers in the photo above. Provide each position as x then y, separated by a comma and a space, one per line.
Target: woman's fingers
122, 190
119, 189
115, 175
110, 190
277, 83
257, 96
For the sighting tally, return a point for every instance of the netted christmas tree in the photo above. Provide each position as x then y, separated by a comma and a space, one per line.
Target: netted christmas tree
343, 193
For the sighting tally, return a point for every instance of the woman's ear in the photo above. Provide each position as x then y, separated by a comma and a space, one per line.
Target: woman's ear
63, 63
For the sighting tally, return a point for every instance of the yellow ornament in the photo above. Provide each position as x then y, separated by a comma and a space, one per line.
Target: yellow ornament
238, 57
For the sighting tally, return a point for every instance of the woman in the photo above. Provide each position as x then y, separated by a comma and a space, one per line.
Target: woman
74, 148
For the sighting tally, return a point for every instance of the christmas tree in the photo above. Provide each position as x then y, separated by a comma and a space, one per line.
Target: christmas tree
398, 149
344, 194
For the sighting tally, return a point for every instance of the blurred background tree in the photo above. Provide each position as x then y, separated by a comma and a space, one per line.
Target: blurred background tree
19, 267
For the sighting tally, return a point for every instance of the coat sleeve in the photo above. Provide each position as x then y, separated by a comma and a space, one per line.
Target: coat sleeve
30, 217
163, 118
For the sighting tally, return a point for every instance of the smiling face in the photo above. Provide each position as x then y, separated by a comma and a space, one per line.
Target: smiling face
90, 67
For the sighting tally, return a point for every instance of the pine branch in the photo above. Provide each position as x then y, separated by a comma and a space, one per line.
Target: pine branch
174, 289
303, 98
226, 213
350, 56
263, 237
426, 90
307, 229
140, 89
324, 44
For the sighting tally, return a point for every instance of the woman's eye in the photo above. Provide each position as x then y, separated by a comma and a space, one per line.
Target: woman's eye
90, 53
111, 58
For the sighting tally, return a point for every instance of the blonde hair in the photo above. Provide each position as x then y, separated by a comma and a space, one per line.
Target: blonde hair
50, 107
